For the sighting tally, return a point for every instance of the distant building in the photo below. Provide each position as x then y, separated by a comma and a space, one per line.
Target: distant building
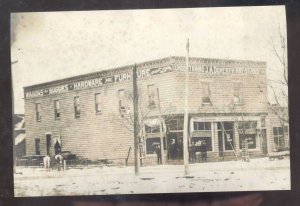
278, 128
78, 114
19, 134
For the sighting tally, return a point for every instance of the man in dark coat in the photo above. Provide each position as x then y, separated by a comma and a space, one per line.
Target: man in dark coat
158, 153
172, 151
203, 150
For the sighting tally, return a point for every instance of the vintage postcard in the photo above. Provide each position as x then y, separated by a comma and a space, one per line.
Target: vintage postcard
150, 101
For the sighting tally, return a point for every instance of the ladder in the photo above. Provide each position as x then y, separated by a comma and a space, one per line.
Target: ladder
245, 151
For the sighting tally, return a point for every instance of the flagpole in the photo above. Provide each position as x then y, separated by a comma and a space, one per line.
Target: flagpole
186, 115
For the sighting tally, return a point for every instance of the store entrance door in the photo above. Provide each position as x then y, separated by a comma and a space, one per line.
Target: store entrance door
264, 141
175, 146
48, 143
220, 141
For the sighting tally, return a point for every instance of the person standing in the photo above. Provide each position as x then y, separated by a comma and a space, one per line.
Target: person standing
172, 149
59, 160
46, 161
203, 150
158, 153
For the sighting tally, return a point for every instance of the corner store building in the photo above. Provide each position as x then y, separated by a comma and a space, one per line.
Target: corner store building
78, 114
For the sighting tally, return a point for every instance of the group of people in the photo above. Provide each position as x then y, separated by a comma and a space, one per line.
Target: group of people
175, 151
55, 162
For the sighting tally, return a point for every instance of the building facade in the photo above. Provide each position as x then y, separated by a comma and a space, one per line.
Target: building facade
90, 114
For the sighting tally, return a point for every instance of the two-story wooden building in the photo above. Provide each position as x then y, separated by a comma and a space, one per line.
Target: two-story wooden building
83, 114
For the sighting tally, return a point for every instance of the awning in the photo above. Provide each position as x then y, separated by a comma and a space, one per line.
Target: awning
152, 122
20, 138
155, 123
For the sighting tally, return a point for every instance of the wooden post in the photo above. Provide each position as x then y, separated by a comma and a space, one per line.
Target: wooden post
186, 116
136, 122
160, 130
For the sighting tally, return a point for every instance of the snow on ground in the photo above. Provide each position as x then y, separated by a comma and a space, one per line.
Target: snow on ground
258, 174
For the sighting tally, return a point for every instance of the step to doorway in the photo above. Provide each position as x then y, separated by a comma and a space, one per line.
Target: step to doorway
174, 162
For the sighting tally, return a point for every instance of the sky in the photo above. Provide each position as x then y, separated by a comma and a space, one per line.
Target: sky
47, 46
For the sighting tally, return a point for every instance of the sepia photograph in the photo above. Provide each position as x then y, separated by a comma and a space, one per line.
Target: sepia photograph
187, 100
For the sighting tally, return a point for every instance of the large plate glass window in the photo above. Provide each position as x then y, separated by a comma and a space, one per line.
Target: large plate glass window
202, 135
247, 132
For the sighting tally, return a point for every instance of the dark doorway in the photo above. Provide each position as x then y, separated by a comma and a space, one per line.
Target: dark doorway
48, 143
175, 146
57, 148
264, 141
220, 141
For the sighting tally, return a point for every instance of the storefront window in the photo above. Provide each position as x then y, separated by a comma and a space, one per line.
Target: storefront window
226, 135
278, 137
247, 132
151, 143
38, 112
251, 140
200, 140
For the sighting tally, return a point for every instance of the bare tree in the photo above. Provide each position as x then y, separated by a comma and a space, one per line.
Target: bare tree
147, 110
279, 86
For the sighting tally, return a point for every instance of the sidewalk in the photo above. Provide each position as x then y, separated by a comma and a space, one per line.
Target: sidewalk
258, 174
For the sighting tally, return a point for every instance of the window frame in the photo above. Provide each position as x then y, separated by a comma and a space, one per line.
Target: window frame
77, 110
38, 110
57, 110
205, 124
151, 96
98, 104
178, 122
37, 146
278, 136
238, 87
206, 100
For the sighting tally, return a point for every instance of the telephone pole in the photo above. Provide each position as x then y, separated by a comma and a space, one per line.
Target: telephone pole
136, 122
186, 116
160, 130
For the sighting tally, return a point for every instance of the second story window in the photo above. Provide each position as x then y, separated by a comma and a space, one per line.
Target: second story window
121, 95
98, 103
206, 93
77, 106
238, 93
38, 112
151, 95
56, 109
